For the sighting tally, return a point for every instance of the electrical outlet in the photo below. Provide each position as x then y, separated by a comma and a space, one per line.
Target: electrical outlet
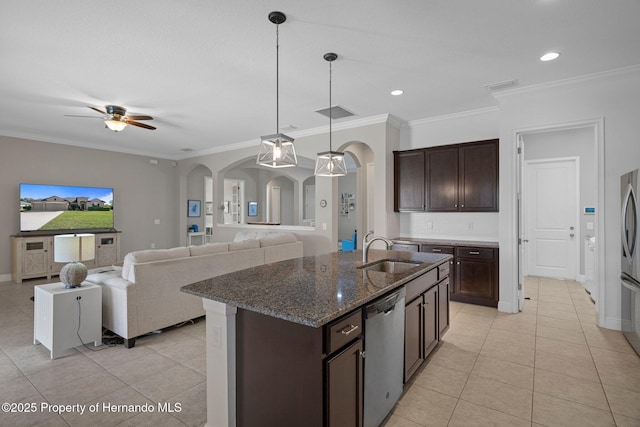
156, 221
470, 225
153, 246
324, 226
429, 225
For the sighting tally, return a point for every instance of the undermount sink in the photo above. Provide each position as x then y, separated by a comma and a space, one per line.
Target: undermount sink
393, 267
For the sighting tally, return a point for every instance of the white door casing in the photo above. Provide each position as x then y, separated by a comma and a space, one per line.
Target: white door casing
551, 217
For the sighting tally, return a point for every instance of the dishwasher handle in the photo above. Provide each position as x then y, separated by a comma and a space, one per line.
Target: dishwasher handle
384, 305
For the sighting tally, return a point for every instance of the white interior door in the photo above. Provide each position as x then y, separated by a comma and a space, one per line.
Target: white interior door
551, 201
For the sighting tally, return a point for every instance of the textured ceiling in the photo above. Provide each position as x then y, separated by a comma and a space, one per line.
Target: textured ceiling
205, 70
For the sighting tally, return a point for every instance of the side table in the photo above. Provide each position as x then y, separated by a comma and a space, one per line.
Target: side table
60, 315
200, 234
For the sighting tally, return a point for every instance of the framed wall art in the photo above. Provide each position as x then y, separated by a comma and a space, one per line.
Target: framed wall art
193, 208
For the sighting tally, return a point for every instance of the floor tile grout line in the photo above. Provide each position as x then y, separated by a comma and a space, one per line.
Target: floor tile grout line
604, 392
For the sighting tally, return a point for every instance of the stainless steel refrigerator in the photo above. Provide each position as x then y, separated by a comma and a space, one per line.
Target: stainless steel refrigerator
630, 277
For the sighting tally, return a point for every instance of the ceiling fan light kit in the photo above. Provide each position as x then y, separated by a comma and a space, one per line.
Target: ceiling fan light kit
330, 163
116, 119
277, 150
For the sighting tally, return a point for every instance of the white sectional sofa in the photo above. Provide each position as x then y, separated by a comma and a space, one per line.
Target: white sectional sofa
144, 294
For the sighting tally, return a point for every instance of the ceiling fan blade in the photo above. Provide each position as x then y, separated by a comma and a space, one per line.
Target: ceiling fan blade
95, 109
139, 117
142, 125
87, 117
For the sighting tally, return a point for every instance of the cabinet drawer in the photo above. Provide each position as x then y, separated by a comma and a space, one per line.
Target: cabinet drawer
343, 331
484, 253
443, 270
407, 247
437, 249
421, 284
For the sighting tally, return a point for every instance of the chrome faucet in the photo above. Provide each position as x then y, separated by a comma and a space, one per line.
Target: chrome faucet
365, 238
366, 243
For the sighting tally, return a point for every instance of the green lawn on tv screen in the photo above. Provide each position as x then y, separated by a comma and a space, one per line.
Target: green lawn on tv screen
80, 220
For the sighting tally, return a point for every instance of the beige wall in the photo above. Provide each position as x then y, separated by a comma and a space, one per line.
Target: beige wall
143, 192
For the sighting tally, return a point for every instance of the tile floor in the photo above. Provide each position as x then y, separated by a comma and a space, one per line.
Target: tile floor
547, 366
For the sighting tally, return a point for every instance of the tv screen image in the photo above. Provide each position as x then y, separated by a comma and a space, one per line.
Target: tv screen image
46, 207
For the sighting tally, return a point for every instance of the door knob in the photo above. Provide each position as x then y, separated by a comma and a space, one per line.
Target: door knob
571, 235
571, 228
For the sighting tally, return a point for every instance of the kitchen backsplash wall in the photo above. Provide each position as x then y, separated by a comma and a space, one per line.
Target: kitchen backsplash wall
457, 225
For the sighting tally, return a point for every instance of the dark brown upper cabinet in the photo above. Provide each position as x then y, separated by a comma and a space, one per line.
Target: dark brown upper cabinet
463, 177
409, 180
449, 178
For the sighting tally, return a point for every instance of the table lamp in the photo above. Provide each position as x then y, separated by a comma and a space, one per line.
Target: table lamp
74, 248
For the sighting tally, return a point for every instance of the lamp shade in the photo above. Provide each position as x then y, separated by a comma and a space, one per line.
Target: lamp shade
115, 125
331, 163
277, 151
74, 247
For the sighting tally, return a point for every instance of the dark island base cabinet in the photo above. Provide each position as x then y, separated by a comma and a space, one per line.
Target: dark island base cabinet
426, 317
294, 375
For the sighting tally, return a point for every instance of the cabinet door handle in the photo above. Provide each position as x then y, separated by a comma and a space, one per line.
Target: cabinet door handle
348, 329
474, 253
458, 262
436, 250
455, 206
462, 206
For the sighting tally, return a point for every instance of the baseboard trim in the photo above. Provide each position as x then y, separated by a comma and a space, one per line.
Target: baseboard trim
507, 307
5, 278
581, 278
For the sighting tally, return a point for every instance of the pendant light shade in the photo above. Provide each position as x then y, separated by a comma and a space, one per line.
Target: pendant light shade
277, 150
330, 163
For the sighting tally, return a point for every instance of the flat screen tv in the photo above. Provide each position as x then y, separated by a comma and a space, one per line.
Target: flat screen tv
54, 208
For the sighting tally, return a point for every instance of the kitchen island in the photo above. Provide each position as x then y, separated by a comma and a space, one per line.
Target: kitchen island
269, 351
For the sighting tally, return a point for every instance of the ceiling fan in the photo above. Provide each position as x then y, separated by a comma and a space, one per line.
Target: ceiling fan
115, 118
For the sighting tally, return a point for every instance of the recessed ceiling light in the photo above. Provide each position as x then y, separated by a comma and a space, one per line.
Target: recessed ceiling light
549, 56
397, 92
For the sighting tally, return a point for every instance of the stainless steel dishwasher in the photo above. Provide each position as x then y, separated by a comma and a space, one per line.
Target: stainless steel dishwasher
384, 360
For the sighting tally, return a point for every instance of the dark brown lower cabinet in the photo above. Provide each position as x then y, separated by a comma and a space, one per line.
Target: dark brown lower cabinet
476, 272
413, 349
443, 307
473, 273
344, 373
422, 320
289, 374
430, 309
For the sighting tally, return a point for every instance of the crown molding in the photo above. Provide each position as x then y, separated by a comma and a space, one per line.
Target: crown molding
452, 116
53, 140
349, 124
566, 82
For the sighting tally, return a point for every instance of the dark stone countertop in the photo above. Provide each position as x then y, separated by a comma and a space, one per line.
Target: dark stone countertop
447, 242
312, 290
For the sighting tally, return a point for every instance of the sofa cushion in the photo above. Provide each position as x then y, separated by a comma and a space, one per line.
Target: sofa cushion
159, 254
244, 235
209, 248
109, 278
148, 256
277, 239
245, 244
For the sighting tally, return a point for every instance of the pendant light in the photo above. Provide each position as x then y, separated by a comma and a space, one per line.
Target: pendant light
277, 150
330, 163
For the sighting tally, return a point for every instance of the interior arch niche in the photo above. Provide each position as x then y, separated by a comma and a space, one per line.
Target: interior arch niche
200, 189
355, 195
258, 186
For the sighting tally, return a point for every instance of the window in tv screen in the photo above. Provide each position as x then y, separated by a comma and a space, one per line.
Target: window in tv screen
64, 207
